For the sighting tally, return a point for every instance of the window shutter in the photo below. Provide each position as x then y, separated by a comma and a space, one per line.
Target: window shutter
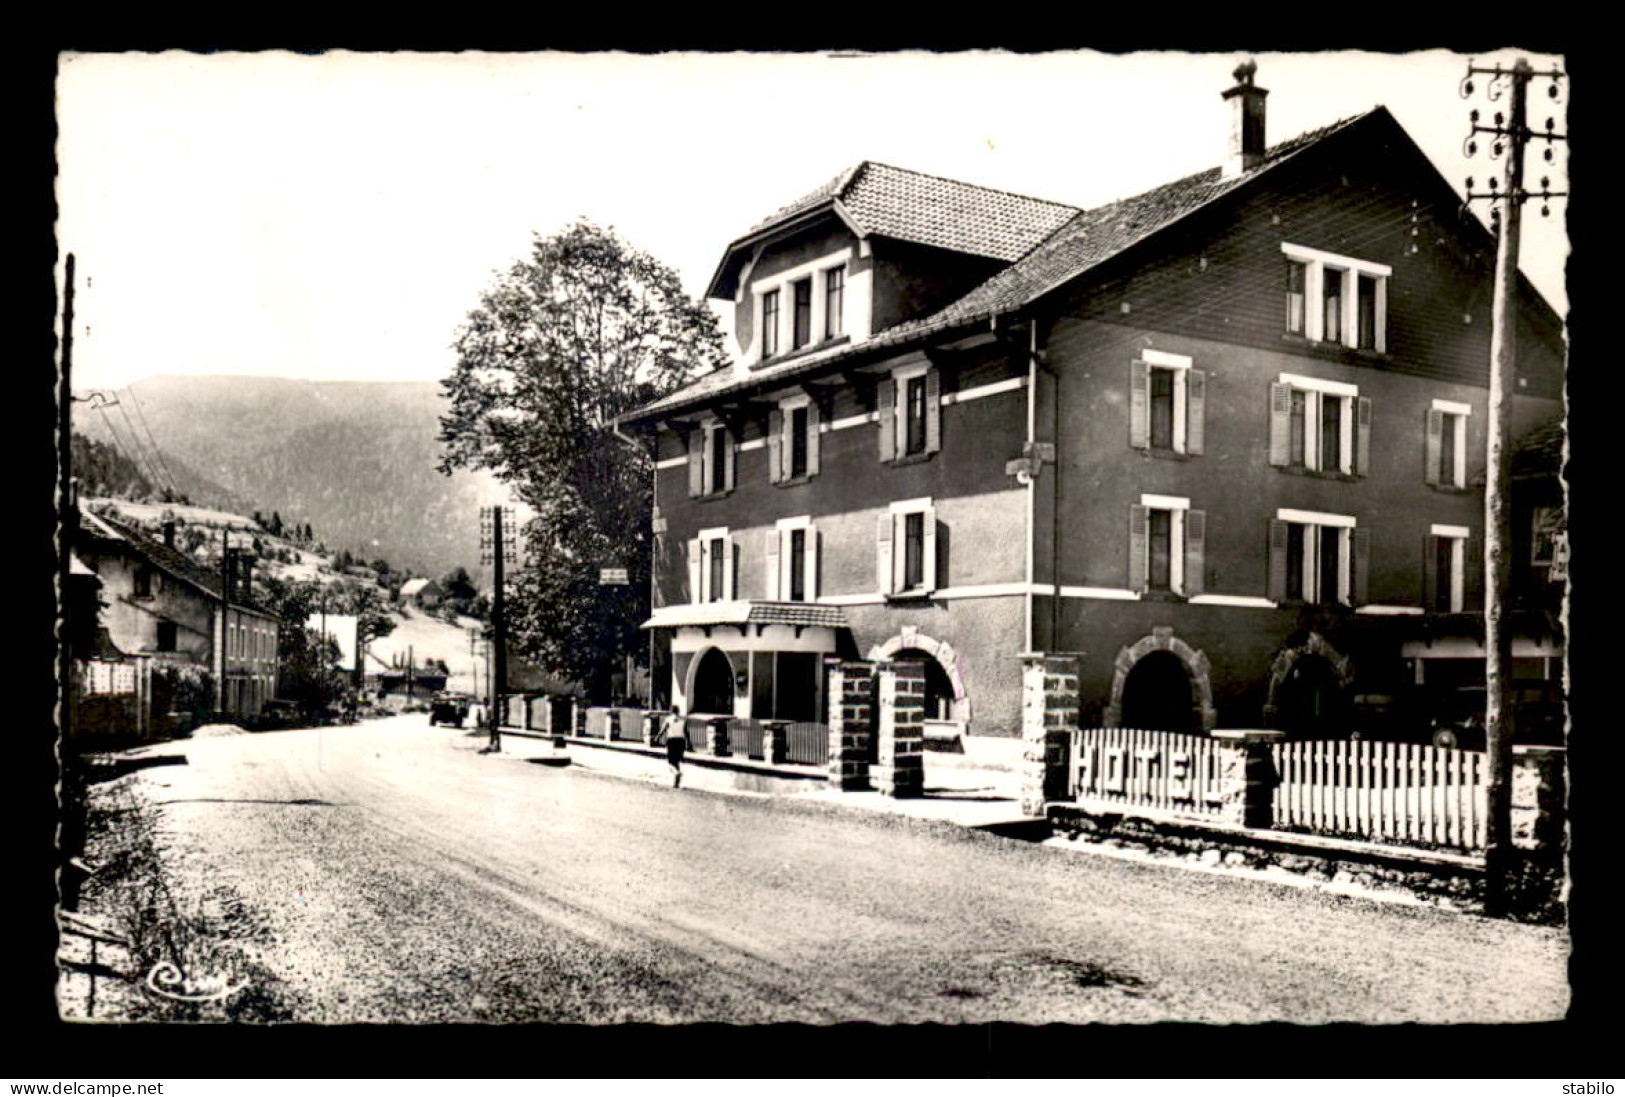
812, 439
1430, 573
811, 570
730, 568
1362, 436
887, 402
1432, 441
1138, 528
883, 553
933, 422
694, 593
929, 549
775, 446
775, 590
1139, 404
730, 459
1280, 425
1195, 410
696, 466
1472, 576
1277, 576
1195, 552
1360, 566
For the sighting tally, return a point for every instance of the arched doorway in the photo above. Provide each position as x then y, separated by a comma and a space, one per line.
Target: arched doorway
1159, 695
1187, 703
713, 689
945, 672
1311, 701
939, 688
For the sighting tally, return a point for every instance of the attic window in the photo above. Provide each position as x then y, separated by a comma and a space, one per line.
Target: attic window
1335, 299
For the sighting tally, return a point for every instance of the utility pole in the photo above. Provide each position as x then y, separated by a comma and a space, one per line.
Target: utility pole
225, 610
499, 657
1509, 135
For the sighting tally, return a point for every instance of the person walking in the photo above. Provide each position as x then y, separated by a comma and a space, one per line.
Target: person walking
676, 745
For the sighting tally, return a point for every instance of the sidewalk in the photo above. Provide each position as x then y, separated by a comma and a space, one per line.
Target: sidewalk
957, 789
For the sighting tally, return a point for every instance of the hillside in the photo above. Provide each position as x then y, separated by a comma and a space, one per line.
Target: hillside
357, 460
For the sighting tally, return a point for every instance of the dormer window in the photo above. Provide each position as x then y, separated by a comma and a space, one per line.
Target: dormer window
770, 323
801, 318
1336, 299
834, 302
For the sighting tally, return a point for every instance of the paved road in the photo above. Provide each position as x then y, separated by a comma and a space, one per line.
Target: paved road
402, 876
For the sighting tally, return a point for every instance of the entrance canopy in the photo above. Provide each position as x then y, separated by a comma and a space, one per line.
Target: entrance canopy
704, 614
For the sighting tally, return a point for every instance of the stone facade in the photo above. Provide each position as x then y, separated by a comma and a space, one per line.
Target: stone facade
899, 769
1049, 712
851, 723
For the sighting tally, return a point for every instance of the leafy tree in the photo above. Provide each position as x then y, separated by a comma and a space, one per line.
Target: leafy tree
583, 330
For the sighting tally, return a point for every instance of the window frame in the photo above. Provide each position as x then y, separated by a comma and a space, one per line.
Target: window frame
893, 413
1311, 567
1315, 264
1187, 534
706, 565
834, 288
892, 557
770, 323
1455, 600
801, 313
1186, 403
1303, 443
782, 561
1446, 438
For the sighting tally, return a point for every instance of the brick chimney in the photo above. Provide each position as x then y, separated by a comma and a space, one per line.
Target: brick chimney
1246, 142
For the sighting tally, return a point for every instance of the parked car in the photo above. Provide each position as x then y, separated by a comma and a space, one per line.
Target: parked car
278, 713
449, 708
1455, 718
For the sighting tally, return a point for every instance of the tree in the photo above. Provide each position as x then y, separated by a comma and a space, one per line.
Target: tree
583, 330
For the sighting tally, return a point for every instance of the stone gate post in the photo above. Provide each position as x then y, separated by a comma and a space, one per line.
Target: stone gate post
851, 715
899, 770
1049, 713
1537, 799
1247, 776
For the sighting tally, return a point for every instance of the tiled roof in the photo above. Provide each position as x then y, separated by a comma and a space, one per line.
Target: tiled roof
928, 209
747, 613
176, 563
1082, 241
1096, 235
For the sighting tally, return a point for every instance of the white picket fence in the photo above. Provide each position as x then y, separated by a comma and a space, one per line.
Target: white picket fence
1397, 792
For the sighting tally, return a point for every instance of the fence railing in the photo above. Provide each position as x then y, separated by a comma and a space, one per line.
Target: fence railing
1167, 771
1395, 791
807, 744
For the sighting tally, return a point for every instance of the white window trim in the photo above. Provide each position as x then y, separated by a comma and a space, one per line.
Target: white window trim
817, 270
899, 562
1345, 525
1316, 389
1176, 506
1180, 366
809, 563
705, 538
1457, 536
1316, 263
1315, 518
1457, 439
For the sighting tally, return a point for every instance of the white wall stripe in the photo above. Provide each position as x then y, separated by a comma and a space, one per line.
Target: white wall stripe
1390, 611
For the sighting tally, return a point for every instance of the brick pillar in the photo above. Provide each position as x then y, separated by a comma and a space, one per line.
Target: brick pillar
1537, 799
899, 770
851, 712
775, 741
651, 725
578, 718
1247, 776
1049, 713
612, 725
717, 735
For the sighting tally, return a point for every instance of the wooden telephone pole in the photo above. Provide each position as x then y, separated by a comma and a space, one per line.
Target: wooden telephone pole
497, 546
1509, 135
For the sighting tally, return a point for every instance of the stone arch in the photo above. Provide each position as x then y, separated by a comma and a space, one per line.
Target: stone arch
944, 654
1314, 644
1162, 638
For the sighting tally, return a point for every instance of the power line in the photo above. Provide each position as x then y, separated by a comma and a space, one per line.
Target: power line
170, 478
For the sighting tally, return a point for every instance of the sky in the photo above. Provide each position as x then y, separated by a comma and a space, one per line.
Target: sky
336, 216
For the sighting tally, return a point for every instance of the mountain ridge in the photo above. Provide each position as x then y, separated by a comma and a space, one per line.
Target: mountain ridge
356, 459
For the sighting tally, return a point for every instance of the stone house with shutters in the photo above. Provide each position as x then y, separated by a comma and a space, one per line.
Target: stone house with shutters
160, 604
1223, 440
